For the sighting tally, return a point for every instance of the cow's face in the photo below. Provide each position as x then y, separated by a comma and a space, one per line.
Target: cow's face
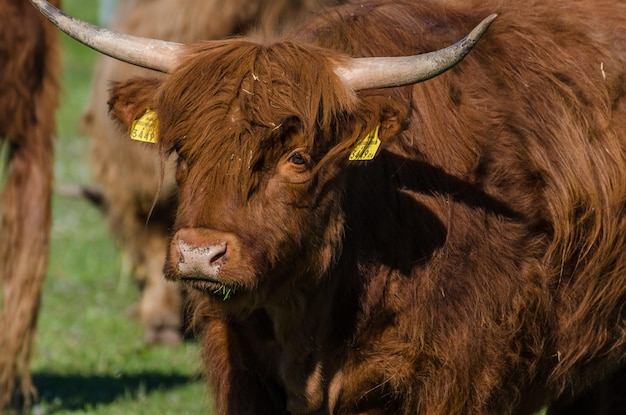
263, 135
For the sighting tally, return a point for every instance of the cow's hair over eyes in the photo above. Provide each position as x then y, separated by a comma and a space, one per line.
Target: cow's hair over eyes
256, 91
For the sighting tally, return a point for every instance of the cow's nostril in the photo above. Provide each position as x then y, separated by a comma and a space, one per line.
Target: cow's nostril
218, 253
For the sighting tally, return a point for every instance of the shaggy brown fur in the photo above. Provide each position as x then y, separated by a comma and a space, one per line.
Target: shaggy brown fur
29, 88
475, 266
128, 172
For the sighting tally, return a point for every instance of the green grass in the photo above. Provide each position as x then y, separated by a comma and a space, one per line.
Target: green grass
89, 355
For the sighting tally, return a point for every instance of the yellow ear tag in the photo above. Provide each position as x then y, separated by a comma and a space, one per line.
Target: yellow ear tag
146, 127
367, 147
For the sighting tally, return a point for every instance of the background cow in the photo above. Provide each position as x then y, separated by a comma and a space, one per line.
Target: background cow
128, 172
29, 86
474, 265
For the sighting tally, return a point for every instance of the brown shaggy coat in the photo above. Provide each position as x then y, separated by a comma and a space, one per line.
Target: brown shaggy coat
29, 87
475, 266
128, 172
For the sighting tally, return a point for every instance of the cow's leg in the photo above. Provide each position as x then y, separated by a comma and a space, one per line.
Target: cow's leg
160, 304
25, 229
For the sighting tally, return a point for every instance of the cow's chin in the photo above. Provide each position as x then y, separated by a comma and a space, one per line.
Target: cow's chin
211, 287
227, 284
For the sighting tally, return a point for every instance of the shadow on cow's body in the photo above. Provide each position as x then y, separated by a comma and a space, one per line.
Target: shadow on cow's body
475, 265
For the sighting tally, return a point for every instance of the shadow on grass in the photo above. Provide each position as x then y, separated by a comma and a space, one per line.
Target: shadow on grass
72, 392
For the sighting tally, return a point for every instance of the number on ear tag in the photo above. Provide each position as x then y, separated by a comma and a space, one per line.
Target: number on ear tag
146, 127
366, 148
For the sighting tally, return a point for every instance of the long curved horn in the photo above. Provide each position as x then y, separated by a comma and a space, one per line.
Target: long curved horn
385, 72
159, 55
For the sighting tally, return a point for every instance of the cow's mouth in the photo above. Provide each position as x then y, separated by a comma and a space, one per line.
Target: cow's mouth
210, 287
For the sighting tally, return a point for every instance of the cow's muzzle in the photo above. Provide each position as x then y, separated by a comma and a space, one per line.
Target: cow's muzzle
199, 257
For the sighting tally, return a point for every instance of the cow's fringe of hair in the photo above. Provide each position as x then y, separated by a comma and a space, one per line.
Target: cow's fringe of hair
28, 98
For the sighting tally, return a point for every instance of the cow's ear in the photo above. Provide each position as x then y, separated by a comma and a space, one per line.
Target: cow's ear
393, 120
130, 99
383, 119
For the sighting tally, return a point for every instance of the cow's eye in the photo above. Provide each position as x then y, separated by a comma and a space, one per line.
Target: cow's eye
297, 158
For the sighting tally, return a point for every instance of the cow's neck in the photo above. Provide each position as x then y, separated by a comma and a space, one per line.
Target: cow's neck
300, 366
314, 328
311, 323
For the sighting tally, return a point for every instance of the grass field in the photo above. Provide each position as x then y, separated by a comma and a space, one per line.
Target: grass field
90, 357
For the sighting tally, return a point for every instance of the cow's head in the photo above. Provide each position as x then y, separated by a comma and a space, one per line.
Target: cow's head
262, 134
